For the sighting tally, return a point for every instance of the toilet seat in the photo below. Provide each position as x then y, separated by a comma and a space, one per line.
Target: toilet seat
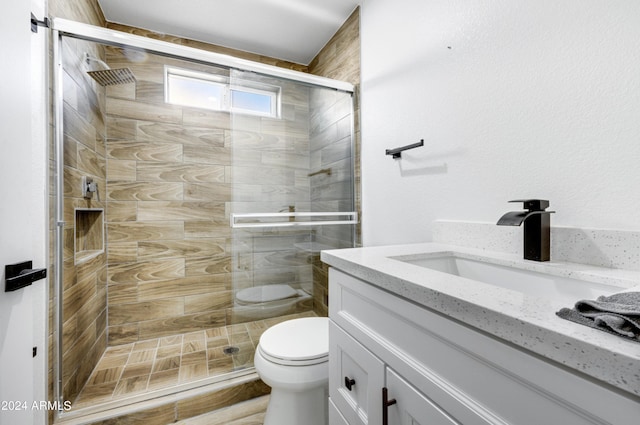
298, 342
265, 293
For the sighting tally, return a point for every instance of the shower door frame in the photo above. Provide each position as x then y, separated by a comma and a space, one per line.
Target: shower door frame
65, 28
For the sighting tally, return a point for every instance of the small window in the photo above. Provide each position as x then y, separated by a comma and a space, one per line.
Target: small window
187, 91
209, 91
254, 101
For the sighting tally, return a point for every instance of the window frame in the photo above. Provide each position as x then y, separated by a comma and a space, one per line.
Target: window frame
272, 92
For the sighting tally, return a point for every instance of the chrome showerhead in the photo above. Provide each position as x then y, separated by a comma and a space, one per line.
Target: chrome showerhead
108, 76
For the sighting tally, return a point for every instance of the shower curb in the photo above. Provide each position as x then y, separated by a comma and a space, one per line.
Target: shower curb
170, 408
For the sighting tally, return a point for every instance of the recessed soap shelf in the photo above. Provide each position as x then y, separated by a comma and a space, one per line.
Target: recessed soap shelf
89, 233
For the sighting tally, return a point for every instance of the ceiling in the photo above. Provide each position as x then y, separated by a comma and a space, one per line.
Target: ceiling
292, 30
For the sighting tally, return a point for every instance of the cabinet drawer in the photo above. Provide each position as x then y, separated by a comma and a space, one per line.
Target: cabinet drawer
411, 407
355, 379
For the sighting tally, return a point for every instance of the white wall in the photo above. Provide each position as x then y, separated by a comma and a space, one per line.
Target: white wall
514, 99
23, 214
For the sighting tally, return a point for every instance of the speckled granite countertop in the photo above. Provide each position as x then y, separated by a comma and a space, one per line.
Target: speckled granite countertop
528, 321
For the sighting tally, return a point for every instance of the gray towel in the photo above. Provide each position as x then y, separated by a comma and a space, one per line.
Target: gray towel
618, 314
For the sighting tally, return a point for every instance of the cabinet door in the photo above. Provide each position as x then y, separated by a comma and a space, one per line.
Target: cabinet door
411, 407
355, 379
335, 417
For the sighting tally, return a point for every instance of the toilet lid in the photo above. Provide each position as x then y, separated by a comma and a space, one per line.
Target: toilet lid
297, 342
264, 293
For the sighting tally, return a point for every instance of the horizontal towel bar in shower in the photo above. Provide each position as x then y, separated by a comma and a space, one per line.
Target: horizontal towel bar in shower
326, 171
350, 217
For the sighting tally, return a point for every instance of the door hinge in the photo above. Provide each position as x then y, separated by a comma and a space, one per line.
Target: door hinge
35, 351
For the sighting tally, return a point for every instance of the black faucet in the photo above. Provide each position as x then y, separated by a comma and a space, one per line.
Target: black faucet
537, 228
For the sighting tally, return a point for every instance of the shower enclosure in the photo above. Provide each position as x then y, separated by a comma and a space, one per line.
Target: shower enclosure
190, 202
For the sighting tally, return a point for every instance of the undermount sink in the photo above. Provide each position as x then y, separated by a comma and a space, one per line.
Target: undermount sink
521, 280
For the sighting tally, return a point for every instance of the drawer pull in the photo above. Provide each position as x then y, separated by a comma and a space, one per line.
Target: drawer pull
349, 383
385, 404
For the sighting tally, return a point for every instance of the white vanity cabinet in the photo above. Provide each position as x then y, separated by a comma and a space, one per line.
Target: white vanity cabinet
361, 378
436, 370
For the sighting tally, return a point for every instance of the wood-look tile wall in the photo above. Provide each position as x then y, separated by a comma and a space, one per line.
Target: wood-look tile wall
86, 11
166, 194
339, 59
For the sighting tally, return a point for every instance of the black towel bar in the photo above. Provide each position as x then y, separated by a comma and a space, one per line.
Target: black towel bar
397, 152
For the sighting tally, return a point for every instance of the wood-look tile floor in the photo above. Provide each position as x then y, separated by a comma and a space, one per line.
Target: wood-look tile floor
167, 362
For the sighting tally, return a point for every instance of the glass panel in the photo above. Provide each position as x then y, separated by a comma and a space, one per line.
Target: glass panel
242, 100
298, 162
84, 329
161, 291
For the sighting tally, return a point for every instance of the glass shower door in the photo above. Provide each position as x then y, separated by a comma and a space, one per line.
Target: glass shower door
150, 261
292, 195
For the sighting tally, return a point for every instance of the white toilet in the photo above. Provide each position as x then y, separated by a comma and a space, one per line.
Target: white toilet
292, 358
265, 301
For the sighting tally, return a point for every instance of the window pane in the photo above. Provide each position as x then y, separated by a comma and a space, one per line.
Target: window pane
195, 92
211, 91
250, 101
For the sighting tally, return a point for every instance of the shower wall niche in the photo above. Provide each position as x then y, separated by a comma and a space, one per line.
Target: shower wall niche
89, 229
